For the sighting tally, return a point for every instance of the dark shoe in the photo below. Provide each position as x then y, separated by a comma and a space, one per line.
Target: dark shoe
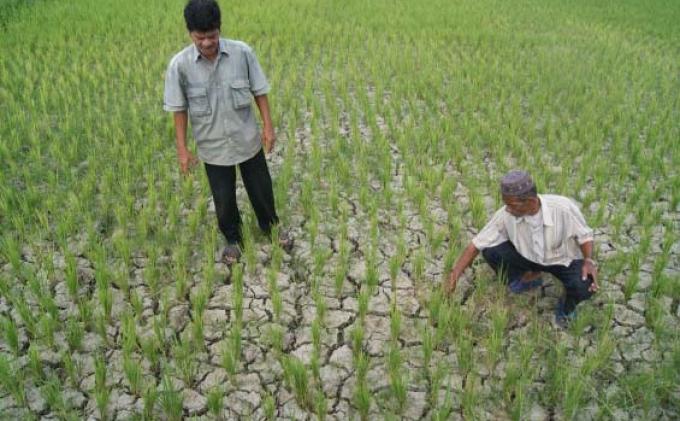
231, 254
562, 318
518, 286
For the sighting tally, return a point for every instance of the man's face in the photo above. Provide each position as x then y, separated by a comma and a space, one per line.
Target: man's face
519, 207
208, 43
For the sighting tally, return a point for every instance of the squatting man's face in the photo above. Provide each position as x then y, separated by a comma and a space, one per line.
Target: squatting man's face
207, 42
520, 207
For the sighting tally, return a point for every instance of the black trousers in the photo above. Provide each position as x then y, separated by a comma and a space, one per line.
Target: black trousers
506, 259
258, 184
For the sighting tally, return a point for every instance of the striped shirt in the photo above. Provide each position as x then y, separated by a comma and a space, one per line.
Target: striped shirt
551, 237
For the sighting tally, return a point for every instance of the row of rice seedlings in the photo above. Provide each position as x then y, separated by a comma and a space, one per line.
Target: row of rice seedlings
397, 376
232, 345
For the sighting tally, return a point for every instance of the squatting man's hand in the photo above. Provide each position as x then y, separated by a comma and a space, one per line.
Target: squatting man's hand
449, 284
589, 270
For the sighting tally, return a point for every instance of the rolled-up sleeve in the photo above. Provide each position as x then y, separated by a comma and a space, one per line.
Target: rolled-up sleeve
174, 98
493, 233
577, 226
258, 81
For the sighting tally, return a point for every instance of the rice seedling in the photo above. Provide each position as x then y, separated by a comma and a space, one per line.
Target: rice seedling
102, 392
12, 380
295, 373
170, 399
10, 334
215, 402
71, 368
52, 393
362, 395
269, 404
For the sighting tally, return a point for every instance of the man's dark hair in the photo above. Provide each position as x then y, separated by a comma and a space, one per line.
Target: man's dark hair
202, 15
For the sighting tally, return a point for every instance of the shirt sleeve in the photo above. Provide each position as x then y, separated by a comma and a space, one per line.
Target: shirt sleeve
493, 233
258, 81
174, 98
577, 226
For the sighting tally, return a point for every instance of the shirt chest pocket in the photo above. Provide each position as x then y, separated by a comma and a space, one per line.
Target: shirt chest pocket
199, 105
240, 92
554, 241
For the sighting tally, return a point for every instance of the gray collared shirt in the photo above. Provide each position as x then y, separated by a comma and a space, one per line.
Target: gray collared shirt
552, 237
218, 96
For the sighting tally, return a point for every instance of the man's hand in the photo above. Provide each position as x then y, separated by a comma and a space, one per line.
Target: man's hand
186, 160
268, 138
589, 270
450, 284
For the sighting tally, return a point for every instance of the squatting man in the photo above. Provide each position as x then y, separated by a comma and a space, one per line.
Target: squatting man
212, 83
535, 233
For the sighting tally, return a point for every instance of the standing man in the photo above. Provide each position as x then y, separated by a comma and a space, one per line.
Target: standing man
531, 234
212, 83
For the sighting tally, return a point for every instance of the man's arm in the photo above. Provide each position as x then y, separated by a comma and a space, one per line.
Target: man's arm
186, 159
268, 135
589, 267
463, 262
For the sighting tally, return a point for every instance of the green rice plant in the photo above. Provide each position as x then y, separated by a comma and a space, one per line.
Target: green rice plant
499, 321
133, 375
51, 391
362, 302
419, 265
395, 322
26, 314
361, 397
320, 405
149, 399
269, 405
341, 268
464, 351
197, 336
229, 359
357, 335
428, 343
170, 400
137, 304
151, 350
275, 338
470, 400
102, 392
397, 379
11, 251
12, 380
296, 376
71, 275
10, 333
185, 362
35, 365
215, 403
71, 368
101, 327
372, 277
74, 334
395, 263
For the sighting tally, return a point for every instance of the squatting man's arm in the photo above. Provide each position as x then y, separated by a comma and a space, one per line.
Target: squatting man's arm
465, 260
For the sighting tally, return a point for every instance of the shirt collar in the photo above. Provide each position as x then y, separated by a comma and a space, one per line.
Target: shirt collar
224, 49
547, 212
